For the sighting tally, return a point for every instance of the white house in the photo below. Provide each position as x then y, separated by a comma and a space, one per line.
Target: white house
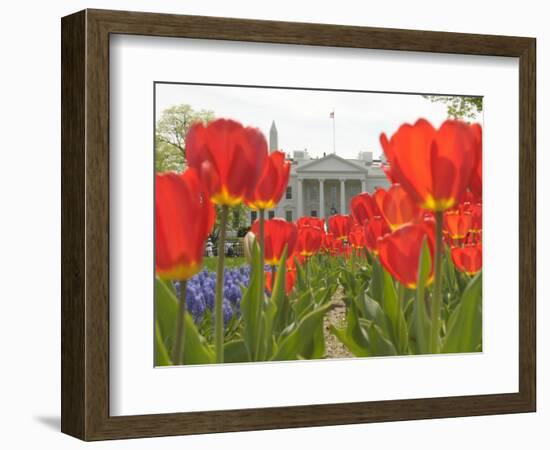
321, 187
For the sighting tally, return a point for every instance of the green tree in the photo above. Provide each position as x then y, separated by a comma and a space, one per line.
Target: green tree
171, 130
459, 107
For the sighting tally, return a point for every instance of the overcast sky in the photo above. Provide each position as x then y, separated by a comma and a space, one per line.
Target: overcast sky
302, 116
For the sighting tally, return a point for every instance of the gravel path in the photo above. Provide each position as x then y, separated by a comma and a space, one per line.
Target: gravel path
337, 317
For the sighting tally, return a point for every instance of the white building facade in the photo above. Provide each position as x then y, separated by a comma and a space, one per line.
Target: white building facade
321, 187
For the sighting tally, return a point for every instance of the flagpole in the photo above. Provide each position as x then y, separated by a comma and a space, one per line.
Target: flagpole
333, 132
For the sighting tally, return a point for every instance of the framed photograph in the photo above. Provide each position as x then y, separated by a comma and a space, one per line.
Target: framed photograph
273, 225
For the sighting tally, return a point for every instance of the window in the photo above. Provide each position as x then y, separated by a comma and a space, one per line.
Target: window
312, 193
288, 192
271, 214
253, 216
288, 215
313, 213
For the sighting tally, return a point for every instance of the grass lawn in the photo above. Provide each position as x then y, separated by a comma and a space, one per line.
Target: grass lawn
211, 262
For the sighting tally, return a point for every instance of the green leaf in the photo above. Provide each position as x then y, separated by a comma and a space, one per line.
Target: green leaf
301, 281
166, 310
374, 313
235, 351
303, 304
278, 300
295, 344
161, 354
251, 306
195, 348
421, 322
378, 343
465, 324
353, 336
391, 304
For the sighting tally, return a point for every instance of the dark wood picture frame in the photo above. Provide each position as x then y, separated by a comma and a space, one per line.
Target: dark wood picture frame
85, 224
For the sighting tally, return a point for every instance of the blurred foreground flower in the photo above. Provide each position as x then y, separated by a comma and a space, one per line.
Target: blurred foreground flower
271, 184
229, 158
179, 240
434, 166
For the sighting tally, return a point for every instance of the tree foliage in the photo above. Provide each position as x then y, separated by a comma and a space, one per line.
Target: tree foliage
171, 130
459, 107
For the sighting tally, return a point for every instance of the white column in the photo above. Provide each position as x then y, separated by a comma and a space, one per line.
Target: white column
322, 198
300, 199
363, 185
342, 196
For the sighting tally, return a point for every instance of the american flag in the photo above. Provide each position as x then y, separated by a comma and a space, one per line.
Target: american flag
332, 115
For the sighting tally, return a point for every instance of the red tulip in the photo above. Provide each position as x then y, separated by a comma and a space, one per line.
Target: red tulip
183, 219
309, 240
228, 157
278, 233
399, 252
271, 184
398, 208
312, 221
468, 198
327, 242
433, 166
357, 237
387, 171
476, 184
338, 247
294, 260
477, 219
363, 208
375, 229
467, 259
340, 225
379, 196
457, 224
290, 280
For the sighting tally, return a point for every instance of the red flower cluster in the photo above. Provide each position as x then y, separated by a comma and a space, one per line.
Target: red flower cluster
227, 164
302, 239
431, 170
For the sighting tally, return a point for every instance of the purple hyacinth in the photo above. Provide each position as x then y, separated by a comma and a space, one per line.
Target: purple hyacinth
201, 292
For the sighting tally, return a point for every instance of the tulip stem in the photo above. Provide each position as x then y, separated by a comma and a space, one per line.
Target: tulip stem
218, 313
262, 251
177, 351
261, 290
436, 299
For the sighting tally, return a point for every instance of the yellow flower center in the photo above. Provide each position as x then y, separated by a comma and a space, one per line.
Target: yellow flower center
441, 204
225, 198
180, 272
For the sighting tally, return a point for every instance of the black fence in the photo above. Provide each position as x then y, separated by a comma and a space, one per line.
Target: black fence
233, 248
